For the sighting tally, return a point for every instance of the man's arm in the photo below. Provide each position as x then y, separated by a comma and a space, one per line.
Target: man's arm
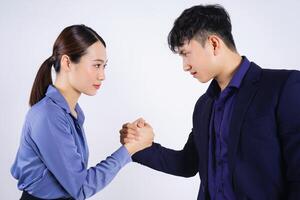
180, 163
289, 132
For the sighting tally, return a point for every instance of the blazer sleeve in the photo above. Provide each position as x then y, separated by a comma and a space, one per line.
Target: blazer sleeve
289, 132
180, 163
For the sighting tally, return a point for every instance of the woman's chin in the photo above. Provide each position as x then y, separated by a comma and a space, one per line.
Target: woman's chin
90, 93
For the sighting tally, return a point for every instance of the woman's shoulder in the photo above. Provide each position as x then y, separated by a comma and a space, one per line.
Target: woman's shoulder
45, 109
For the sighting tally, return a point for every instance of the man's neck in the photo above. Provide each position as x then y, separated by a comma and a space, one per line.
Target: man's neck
230, 65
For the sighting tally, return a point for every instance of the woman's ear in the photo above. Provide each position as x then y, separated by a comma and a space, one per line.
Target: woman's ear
65, 63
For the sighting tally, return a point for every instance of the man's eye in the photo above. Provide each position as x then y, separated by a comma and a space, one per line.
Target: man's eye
97, 65
184, 54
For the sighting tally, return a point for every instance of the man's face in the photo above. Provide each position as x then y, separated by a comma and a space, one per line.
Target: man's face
200, 61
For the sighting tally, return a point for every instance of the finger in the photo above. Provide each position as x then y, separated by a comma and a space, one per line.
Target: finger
140, 121
123, 132
128, 133
147, 125
131, 136
127, 138
126, 141
132, 132
131, 126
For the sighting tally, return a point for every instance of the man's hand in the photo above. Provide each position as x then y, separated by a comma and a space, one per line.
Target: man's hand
136, 136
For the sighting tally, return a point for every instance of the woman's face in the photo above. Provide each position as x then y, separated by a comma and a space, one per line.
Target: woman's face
87, 75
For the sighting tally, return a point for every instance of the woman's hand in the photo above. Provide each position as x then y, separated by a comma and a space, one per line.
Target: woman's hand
136, 136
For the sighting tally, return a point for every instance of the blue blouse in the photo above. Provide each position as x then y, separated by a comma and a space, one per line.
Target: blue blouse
52, 159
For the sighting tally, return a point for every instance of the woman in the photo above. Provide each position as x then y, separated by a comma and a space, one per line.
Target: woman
52, 159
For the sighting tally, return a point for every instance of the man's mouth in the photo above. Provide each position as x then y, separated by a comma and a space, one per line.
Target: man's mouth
193, 73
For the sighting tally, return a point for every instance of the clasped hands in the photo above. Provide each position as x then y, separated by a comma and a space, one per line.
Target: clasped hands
136, 136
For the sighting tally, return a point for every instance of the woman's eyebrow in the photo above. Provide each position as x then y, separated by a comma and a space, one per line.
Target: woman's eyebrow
100, 60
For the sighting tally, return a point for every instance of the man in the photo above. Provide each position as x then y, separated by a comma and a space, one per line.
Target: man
245, 140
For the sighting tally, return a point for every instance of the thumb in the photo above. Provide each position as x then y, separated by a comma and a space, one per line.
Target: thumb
139, 122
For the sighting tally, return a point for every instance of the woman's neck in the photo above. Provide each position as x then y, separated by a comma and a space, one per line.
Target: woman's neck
70, 94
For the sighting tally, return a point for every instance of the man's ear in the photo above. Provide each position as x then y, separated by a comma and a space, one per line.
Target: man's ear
215, 42
65, 63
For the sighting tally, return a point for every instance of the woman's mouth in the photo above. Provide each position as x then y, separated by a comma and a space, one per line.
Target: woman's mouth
97, 86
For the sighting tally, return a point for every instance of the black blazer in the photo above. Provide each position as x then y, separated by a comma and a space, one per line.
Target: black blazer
264, 139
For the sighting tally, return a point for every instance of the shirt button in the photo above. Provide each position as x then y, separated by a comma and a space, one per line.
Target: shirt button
220, 162
220, 190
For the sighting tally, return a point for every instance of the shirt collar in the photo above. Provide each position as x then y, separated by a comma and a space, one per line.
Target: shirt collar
240, 73
54, 94
214, 89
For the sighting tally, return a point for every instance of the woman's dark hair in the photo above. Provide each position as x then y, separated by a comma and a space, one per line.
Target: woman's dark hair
198, 22
73, 41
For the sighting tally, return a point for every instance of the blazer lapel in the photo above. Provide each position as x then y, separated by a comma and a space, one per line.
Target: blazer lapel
243, 100
204, 121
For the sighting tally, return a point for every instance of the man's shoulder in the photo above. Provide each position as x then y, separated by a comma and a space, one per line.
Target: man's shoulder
277, 73
274, 76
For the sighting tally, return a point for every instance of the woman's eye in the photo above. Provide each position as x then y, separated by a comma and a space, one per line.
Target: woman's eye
99, 65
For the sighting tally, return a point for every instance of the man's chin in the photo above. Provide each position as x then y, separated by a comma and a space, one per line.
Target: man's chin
203, 80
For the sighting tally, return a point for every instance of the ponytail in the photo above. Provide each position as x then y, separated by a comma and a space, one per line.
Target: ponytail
42, 80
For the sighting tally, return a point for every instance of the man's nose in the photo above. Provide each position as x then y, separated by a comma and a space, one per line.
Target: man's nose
186, 66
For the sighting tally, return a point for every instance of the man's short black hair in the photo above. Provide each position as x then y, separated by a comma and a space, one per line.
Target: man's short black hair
199, 22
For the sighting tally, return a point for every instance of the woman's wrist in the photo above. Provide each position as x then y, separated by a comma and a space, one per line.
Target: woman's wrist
130, 148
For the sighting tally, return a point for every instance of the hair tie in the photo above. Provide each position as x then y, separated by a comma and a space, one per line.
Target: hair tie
52, 59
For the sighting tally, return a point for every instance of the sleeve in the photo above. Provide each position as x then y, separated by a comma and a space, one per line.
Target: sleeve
53, 138
289, 132
179, 163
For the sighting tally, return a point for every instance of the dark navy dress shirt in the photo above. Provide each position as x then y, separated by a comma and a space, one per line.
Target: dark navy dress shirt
219, 185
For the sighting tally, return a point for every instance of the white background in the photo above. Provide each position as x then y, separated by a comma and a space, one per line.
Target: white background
143, 77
